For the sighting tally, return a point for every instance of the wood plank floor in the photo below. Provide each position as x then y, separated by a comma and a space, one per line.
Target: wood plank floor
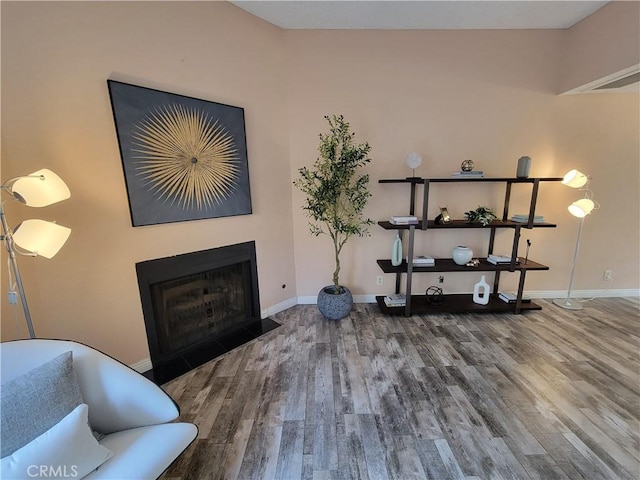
553, 394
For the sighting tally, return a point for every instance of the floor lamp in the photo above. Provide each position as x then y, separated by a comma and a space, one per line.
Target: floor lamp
32, 237
580, 209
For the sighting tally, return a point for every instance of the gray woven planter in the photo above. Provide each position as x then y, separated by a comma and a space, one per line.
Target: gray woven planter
332, 306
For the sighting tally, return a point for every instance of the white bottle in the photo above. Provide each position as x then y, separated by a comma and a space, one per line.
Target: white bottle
481, 292
396, 251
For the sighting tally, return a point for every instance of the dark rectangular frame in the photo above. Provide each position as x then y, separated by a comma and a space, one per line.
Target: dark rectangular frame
226, 191
159, 270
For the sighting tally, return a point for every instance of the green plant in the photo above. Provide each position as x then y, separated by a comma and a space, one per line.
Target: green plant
484, 215
336, 194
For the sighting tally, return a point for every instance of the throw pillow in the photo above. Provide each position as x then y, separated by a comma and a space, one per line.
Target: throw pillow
34, 402
67, 450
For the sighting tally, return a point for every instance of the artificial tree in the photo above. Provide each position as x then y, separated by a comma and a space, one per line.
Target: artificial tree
336, 194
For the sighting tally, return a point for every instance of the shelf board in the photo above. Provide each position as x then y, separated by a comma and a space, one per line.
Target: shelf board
463, 224
420, 180
455, 303
448, 265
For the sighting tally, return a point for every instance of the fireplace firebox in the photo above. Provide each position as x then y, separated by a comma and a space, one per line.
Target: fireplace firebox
199, 305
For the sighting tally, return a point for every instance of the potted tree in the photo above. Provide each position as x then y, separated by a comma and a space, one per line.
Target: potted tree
336, 195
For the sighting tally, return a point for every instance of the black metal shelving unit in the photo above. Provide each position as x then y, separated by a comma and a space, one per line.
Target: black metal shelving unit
457, 303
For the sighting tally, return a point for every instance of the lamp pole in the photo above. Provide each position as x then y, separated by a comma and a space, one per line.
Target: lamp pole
8, 241
567, 303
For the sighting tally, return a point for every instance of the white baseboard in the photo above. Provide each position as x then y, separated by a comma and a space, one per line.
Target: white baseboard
309, 300
605, 293
142, 366
279, 307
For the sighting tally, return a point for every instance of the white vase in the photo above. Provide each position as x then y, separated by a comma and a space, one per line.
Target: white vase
396, 251
462, 255
481, 291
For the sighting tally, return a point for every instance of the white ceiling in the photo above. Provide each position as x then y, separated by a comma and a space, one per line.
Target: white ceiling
420, 14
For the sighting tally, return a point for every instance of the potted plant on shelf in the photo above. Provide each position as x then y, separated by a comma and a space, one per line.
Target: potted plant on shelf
484, 215
336, 196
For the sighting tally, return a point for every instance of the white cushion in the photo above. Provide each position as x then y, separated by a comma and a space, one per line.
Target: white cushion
143, 453
67, 450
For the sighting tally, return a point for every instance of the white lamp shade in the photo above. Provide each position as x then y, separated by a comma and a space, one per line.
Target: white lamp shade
575, 179
41, 237
40, 188
581, 208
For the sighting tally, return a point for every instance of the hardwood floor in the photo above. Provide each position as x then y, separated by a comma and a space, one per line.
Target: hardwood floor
553, 394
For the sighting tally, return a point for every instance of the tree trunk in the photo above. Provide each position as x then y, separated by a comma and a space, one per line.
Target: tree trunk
336, 272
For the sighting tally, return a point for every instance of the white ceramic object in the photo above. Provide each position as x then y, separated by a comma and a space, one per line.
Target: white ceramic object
481, 291
462, 255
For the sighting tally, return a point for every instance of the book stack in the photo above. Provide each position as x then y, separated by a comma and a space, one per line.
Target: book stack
407, 220
511, 297
423, 261
395, 300
524, 218
471, 174
499, 259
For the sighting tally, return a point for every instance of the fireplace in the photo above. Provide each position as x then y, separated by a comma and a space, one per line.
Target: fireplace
199, 305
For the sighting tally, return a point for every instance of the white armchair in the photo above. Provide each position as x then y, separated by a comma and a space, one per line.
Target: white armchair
133, 413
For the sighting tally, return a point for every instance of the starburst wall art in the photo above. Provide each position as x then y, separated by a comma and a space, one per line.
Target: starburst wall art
183, 158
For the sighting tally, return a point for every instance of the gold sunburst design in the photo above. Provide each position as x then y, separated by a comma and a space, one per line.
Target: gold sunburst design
186, 157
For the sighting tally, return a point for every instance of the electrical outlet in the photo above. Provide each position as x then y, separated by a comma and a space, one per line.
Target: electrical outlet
607, 276
441, 279
13, 298
379, 280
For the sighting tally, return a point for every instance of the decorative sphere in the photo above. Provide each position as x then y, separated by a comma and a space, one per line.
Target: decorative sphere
413, 160
434, 295
466, 166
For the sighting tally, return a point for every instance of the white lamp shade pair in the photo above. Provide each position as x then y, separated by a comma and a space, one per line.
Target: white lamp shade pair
38, 237
577, 179
40, 189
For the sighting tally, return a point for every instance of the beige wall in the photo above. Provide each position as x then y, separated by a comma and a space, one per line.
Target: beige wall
450, 95
56, 58
601, 45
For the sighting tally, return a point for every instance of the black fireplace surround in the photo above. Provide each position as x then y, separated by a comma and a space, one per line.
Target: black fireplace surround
199, 305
